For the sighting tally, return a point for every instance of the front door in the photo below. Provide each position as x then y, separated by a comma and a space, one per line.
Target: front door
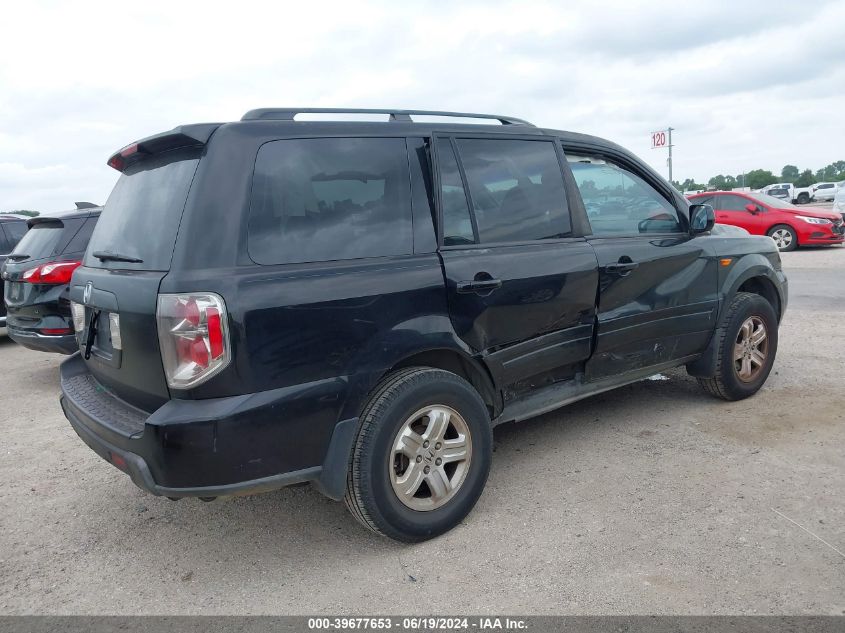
657, 289
521, 286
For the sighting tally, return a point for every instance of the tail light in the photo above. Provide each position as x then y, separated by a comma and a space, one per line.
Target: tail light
194, 338
53, 273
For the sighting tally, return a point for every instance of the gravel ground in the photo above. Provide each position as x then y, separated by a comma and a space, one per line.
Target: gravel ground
654, 498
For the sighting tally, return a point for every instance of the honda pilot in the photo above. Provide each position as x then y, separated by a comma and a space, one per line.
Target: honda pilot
356, 304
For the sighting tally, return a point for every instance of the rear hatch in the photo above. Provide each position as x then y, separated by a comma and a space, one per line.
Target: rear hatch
117, 284
40, 301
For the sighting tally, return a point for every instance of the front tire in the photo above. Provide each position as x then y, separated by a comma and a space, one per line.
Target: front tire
803, 198
421, 456
785, 237
746, 349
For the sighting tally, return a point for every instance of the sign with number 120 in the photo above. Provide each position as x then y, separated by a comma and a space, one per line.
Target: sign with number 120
658, 139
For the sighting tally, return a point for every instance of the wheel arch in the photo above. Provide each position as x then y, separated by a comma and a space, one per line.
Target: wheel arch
461, 364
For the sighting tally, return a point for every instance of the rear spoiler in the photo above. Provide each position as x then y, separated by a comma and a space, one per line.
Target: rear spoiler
195, 135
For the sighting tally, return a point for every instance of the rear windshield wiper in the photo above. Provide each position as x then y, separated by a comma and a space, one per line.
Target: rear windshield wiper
17, 256
116, 257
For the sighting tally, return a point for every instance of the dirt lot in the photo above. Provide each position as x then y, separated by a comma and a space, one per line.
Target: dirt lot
654, 498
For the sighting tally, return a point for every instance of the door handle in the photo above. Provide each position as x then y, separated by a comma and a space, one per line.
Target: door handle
479, 286
621, 269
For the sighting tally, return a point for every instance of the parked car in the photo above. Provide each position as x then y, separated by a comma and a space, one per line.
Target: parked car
826, 191
37, 276
788, 225
12, 229
839, 201
796, 195
356, 305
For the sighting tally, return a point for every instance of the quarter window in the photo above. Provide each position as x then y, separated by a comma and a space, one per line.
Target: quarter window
326, 199
516, 189
457, 224
619, 202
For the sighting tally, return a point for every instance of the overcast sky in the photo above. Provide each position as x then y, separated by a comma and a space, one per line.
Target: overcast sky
744, 84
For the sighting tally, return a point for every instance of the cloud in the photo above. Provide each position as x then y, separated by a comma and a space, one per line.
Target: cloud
745, 85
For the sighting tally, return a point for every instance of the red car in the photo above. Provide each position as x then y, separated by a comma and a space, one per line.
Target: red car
760, 214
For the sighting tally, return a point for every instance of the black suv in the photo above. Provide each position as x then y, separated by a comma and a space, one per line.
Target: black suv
12, 229
37, 277
356, 304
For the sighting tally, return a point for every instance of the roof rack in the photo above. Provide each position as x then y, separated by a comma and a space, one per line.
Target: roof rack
288, 114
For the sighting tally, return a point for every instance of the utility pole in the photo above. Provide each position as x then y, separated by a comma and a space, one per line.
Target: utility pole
669, 162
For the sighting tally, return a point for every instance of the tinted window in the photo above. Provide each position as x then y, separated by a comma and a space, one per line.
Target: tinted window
41, 240
5, 248
14, 231
325, 199
619, 202
516, 189
142, 214
825, 186
732, 203
704, 200
457, 224
79, 242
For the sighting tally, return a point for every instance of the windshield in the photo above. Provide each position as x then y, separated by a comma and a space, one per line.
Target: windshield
771, 201
141, 217
40, 241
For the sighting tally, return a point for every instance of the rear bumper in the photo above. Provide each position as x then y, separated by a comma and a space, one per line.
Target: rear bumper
208, 448
60, 344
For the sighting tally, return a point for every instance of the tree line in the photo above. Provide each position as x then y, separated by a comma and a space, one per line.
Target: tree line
759, 178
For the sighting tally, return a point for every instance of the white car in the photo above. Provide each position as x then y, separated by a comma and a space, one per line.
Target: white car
824, 191
839, 201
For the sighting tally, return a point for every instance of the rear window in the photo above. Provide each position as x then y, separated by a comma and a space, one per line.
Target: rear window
41, 240
14, 231
325, 199
142, 214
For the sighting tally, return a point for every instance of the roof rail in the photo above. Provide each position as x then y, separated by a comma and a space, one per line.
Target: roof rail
288, 114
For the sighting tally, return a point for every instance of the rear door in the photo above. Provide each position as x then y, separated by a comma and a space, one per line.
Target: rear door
657, 288
732, 209
128, 255
521, 284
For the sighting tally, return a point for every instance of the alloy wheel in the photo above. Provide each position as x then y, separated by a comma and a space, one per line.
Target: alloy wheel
750, 349
430, 458
782, 238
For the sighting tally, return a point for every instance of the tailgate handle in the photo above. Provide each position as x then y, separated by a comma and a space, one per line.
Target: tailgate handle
92, 332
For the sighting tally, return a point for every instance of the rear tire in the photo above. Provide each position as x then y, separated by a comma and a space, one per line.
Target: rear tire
785, 237
387, 486
746, 350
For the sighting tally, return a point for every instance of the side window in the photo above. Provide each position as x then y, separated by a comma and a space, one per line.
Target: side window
457, 224
15, 231
711, 200
619, 202
425, 239
325, 199
516, 189
733, 203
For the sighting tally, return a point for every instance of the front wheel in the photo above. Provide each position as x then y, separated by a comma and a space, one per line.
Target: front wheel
785, 237
746, 349
803, 198
422, 455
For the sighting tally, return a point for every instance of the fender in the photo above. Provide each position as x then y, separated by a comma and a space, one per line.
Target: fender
748, 267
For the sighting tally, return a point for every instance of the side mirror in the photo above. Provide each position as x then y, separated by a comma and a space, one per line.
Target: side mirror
701, 219
752, 208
